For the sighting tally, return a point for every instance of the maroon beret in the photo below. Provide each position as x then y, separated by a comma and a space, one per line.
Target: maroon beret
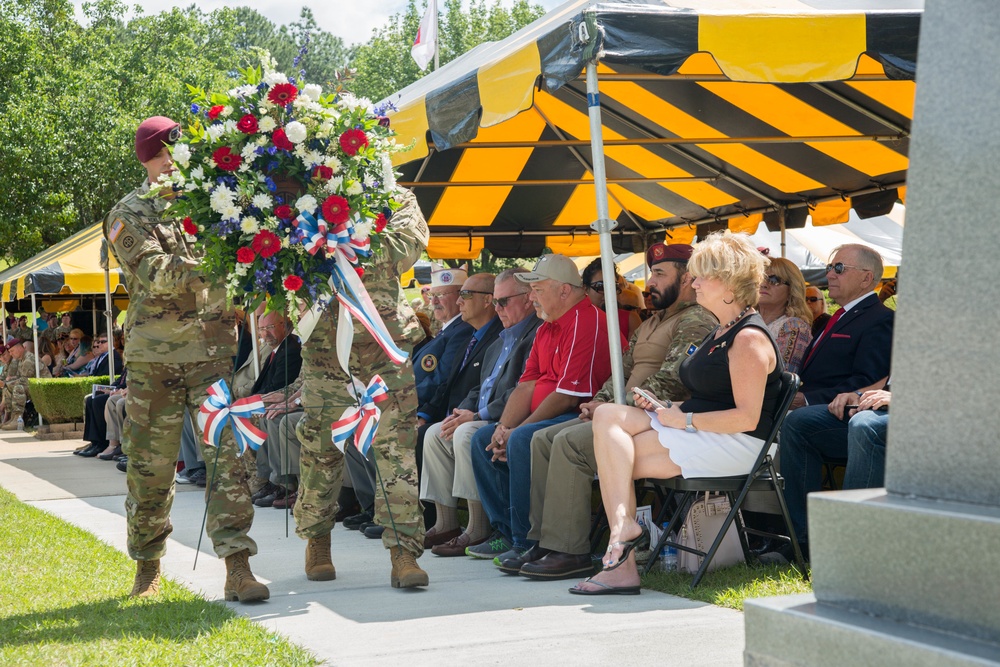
675, 252
152, 134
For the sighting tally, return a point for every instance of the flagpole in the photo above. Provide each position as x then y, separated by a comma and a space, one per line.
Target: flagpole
436, 40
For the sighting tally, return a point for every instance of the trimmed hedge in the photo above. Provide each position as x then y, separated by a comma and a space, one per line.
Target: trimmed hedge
60, 400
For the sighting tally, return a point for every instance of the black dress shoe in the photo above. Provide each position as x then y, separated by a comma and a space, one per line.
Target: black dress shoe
265, 490
92, 451
514, 565
557, 565
355, 522
366, 525
268, 500
122, 464
374, 532
116, 452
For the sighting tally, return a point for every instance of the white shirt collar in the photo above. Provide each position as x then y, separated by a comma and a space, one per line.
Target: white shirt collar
851, 304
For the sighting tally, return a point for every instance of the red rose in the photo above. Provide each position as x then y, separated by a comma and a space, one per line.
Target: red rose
266, 243
380, 223
293, 283
336, 209
247, 124
214, 112
190, 227
245, 256
360, 271
322, 172
353, 140
281, 141
226, 159
283, 93
284, 212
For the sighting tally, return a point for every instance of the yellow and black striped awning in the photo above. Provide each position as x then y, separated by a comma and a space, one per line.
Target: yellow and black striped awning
714, 113
72, 266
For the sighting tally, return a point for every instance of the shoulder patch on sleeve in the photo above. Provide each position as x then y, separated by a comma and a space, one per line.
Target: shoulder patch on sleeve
116, 228
428, 363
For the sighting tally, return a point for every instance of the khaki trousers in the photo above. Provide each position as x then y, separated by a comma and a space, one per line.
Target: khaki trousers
447, 467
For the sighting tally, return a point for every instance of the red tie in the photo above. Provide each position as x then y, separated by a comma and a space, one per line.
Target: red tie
271, 358
822, 336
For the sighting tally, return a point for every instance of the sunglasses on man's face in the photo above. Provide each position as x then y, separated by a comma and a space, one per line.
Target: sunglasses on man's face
840, 267
774, 281
467, 293
502, 301
814, 299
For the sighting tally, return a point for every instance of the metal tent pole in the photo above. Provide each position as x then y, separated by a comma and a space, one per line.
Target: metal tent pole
110, 332
34, 335
781, 222
254, 352
604, 225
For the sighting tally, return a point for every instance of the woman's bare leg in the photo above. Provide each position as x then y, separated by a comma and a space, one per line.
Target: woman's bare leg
626, 448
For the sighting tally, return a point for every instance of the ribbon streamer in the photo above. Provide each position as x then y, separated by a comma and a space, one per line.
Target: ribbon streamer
320, 236
351, 293
219, 409
361, 421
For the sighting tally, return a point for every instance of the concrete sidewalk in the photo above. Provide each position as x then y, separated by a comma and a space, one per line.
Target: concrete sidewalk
469, 613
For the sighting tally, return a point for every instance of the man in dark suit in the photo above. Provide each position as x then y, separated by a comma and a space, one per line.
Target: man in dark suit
280, 369
850, 356
432, 366
448, 474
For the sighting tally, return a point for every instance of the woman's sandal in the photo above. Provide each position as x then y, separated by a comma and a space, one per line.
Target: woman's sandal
641, 541
604, 589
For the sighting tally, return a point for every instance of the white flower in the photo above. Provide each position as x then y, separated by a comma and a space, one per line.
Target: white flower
190, 187
261, 141
266, 124
285, 243
306, 203
240, 270
215, 131
249, 225
333, 163
352, 102
333, 187
296, 132
221, 198
272, 78
249, 152
362, 230
388, 173
262, 202
243, 91
226, 111
312, 158
312, 91
197, 174
230, 212
182, 154
354, 188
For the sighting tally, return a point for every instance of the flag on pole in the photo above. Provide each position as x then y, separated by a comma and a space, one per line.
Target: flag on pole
425, 44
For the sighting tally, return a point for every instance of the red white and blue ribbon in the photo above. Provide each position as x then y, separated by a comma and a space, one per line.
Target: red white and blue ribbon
353, 296
361, 421
318, 235
219, 409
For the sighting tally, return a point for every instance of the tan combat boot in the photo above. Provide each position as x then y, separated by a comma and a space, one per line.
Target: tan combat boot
319, 565
240, 582
405, 571
147, 579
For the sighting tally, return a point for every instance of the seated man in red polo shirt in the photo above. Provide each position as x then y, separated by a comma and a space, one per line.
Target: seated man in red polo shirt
568, 363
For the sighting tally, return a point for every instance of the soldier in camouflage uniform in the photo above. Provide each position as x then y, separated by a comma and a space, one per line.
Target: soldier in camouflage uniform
179, 341
325, 397
53, 334
16, 384
562, 456
22, 331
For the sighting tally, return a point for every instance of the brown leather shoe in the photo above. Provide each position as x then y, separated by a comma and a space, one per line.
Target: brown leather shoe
456, 546
434, 539
286, 502
558, 565
514, 565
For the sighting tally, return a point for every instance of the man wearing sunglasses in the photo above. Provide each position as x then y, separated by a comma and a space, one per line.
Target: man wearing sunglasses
816, 303
849, 356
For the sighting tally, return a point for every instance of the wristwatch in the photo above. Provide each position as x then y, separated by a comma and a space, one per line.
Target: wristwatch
690, 426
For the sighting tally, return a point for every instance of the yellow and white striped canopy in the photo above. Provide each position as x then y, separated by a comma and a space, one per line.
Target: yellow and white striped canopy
715, 113
72, 266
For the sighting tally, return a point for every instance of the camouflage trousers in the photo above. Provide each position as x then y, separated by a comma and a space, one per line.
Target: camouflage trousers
16, 395
324, 398
151, 438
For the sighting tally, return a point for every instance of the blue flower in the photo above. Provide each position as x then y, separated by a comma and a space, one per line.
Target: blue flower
195, 108
269, 182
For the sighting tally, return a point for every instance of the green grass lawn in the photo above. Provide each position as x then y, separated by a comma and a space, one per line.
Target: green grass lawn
730, 586
63, 601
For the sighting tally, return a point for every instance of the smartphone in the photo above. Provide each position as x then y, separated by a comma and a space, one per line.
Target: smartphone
652, 399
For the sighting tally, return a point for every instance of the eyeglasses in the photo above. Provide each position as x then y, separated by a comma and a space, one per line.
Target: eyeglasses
437, 297
597, 286
102, 341
814, 299
467, 293
840, 267
269, 327
774, 281
502, 301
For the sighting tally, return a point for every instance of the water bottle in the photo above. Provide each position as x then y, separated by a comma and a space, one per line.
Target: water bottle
20, 423
668, 554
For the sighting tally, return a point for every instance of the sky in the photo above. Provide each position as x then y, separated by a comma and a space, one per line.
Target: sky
351, 20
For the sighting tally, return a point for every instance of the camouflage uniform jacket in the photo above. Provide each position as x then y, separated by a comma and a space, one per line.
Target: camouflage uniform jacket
658, 347
404, 239
173, 314
24, 333
52, 333
26, 369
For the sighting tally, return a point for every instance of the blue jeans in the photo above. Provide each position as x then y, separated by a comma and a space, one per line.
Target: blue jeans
866, 434
809, 436
505, 487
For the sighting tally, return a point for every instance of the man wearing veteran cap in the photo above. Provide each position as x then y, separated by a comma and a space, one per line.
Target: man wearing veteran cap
179, 341
15, 385
562, 456
435, 359
568, 363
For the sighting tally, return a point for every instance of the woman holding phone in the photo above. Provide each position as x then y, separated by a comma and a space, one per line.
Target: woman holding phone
734, 377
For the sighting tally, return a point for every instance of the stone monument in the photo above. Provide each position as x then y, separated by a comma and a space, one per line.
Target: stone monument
910, 574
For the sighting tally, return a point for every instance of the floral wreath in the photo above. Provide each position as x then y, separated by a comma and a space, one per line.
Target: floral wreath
273, 178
